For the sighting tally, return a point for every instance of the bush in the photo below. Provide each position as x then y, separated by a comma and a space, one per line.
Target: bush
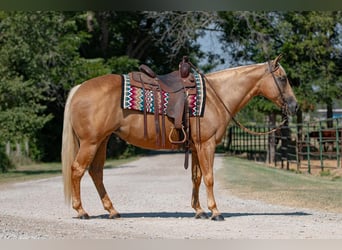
5, 162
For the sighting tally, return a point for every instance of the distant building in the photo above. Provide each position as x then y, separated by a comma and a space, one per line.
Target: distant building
322, 113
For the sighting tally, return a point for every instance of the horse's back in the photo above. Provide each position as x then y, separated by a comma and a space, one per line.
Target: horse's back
99, 87
104, 83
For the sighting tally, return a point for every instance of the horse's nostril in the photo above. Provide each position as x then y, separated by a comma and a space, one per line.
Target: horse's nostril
292, 105
294, 108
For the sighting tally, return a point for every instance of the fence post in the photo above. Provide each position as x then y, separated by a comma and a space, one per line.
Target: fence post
308, 147
337, 137
299, 144
321, 145
284, 143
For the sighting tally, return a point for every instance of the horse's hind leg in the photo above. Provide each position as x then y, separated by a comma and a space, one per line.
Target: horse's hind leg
96, 173
83, 159
196, 175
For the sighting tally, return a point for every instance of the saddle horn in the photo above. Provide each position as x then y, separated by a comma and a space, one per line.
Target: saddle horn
184, 67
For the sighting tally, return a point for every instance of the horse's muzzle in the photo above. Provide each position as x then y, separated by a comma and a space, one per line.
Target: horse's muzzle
292, 106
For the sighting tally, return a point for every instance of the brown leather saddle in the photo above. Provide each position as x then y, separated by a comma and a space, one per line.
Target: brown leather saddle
178, 84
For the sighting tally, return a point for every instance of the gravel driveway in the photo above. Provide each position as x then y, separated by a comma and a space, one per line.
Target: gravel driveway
153, 195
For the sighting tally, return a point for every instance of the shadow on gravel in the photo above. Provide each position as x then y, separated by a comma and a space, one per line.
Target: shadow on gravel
266, 214
192, 215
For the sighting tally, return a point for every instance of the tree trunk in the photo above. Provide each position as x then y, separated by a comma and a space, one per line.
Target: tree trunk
18, 149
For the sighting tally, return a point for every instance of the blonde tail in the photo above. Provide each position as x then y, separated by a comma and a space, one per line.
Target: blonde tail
70, 147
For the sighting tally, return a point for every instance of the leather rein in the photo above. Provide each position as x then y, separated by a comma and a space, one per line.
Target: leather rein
284, 107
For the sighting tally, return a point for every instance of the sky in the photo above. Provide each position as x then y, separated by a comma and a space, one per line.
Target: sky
210, 43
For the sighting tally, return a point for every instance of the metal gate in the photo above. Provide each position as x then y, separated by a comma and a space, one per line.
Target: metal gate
309, 145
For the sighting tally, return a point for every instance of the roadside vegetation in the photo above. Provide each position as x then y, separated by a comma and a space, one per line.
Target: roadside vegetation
45, 53
258, 181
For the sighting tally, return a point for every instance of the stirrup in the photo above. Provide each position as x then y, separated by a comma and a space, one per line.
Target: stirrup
177, 142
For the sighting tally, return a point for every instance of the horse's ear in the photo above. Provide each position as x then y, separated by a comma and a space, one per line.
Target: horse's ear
276, 60
275, 63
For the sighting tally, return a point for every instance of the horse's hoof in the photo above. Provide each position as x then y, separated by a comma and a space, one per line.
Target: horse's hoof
84, 217
202, 215
114, 216
218, 217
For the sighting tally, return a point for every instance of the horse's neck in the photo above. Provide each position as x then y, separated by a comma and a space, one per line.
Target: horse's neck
236, 86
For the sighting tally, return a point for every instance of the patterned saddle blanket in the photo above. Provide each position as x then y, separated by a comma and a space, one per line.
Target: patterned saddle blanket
139, 98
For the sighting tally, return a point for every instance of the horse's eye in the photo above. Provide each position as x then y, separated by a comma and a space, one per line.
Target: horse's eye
282, 80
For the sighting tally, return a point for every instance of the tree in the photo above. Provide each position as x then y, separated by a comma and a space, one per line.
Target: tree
44, 54
308, 41
159, 39
39, 63
312, 48
21, 97
250, 37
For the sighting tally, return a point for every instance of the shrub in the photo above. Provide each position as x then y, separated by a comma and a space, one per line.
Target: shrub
5, 162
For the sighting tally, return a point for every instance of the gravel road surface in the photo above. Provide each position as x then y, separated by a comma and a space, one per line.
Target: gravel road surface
153, 195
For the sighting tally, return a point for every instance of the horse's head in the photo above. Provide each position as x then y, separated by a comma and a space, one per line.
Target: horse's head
276, 87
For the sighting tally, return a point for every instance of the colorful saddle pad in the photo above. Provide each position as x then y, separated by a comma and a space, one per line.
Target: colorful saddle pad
134, 97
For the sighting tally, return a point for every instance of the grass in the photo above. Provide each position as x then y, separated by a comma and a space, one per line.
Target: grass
252, 180
45, 170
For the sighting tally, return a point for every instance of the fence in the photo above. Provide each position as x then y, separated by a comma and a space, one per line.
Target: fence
19, 153
312, 145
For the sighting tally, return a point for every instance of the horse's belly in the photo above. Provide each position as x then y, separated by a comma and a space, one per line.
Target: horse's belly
132, 130
149, 142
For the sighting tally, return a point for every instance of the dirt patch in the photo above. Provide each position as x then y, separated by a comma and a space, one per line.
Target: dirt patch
330, 167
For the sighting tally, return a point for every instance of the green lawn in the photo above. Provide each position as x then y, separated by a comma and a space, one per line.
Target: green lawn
45, 170
252, 180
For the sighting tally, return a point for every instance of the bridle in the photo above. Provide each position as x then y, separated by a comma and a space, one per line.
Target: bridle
284, 108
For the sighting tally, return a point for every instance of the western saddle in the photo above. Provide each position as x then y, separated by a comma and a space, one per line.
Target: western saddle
178, 84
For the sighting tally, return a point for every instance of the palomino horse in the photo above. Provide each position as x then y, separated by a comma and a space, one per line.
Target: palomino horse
93, 112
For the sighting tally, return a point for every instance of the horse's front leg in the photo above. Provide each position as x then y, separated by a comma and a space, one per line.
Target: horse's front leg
206, 153
196, 175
